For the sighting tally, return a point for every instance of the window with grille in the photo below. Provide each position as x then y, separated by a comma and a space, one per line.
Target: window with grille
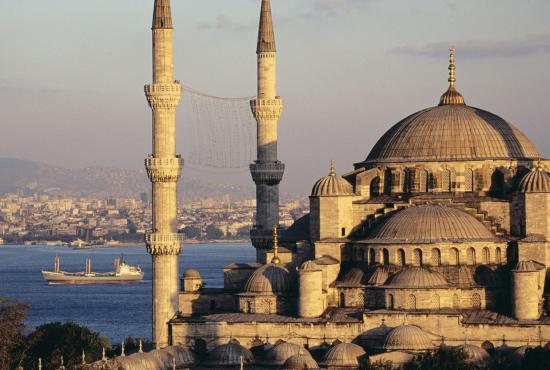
417, 257
411, 302
436, 257
401, 257
486, 256
476, 301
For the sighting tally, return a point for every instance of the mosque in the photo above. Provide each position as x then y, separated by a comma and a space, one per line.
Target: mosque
439, 237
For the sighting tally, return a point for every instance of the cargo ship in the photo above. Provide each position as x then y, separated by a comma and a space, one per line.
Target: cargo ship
123, 274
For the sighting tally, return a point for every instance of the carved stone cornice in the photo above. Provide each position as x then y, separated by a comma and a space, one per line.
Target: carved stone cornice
268, 109
163, 96
164, 169
269, 173
163, 244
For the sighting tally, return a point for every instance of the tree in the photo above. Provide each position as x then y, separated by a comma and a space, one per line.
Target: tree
442, 359
51, 341
191, 232
213, 232
12, 324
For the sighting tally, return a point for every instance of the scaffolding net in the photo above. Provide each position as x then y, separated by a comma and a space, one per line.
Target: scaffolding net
217, 133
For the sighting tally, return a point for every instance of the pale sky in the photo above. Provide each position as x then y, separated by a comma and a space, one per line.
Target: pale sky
72, 72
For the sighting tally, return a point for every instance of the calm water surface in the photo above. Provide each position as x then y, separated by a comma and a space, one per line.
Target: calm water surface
116, 311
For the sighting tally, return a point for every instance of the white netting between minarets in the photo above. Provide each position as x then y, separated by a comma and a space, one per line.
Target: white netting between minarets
216, 132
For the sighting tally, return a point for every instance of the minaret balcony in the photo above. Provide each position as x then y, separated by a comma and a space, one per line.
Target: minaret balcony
163, 96
164, 169
267, 108
164, 243
269, 173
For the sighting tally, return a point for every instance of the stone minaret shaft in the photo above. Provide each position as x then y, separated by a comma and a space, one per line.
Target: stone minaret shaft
164, 170
267, 171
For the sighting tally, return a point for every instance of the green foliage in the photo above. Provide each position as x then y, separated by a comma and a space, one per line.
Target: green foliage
51, 341
378, 365
12, 324
536, 359
213, 233
441, 359
191, 232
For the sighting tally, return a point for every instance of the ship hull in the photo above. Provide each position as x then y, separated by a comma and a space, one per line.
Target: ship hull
63, 279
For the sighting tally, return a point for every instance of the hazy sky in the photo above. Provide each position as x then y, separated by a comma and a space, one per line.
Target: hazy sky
72, 72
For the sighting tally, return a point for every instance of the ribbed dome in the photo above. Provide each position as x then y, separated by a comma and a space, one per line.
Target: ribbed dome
417, 277
429, 224
475, 355
528, 266
452, 133
536, 181
407, 337
191, 274
229, 355
344, 355
310, 266
300, 362
331, 185
270, 278
282, 352
354, 276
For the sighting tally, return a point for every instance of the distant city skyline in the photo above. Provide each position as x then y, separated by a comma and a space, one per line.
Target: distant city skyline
72, 74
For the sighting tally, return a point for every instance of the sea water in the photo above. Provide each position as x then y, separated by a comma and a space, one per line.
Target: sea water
116, 311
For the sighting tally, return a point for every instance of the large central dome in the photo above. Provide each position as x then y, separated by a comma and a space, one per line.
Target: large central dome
452, 133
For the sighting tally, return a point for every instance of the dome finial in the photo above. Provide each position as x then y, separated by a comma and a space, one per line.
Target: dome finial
275, 258
332, 172
451, 96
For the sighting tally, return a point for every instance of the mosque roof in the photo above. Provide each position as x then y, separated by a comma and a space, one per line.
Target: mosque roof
300, 362
451, 131
162, 15
229, 354
191, 274
266, 36
474, 354
270, 278
331, 185
283, 351
408, 337
310, 266
430, 224
536, 181
417, 277
528, 266
343, 355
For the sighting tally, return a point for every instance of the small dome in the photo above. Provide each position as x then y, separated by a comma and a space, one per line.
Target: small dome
310, 266
430, 224
519, 353
300, 362
417, 277
354, 276
528, 266
331, 185
282, 352
379, 277
344, 355
270, 278
407, 338
536, 181
191, 274
229, 354
474, 354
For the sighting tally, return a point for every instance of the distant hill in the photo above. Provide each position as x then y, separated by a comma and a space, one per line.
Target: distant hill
36, 177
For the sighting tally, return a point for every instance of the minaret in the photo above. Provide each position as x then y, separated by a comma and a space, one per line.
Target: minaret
164, 170
267, 171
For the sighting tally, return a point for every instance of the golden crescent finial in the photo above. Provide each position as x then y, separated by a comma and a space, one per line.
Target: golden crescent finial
452, 67
332, 172
275, 258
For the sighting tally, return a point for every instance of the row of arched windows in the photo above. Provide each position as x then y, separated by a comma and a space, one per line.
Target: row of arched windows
411, 304
435, 259
422, 180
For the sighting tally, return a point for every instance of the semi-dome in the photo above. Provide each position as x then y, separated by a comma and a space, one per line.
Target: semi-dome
417, 277
474, 354
343, 355
407, 338
300, 362
379, 277
270, 278
536, 181
451, 131
229, 354
331, 185
430, 224
278, 355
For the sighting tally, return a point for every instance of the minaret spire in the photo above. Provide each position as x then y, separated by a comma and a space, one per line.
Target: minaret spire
276, 259
267, 171
451, 96
164, 168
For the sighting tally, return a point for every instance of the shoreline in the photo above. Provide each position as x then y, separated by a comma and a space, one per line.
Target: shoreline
127, 244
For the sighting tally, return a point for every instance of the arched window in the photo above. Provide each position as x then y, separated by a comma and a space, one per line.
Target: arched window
486, 256
454, 257
247, 307
471, 256
371, 256
342, 300
498, 256
476, 301
436, 257
388, 181
469, 180
385, 257
423, 181
446, 181
401, 257
375, 187
390, 304
403, 181
456, 303
417, 257
411, 302
436, 302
